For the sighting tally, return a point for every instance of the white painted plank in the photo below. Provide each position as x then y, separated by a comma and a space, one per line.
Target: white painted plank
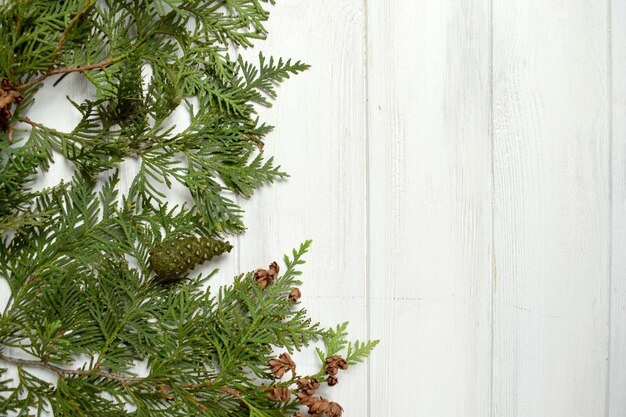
552, 208
617, 359
320, 142
430, 207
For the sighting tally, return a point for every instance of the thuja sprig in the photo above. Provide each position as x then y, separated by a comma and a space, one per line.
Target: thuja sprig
111, 43
204, 352
100, 279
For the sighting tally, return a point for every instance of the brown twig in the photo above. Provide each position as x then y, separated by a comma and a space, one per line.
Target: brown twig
55, 71
30, 122
83, 68
62, 372
96, 371
232, 392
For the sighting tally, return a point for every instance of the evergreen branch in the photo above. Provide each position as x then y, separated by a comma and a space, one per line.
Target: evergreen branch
108, 274
55, 132
62, 372
100, 65
358, 351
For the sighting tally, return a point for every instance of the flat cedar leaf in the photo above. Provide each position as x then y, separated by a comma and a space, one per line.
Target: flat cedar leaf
335, 339
358, 351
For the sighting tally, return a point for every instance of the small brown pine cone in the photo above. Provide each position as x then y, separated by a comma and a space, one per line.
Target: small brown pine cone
8, 97
295, 294
263, 283
337, 361
304, 398
274, 266
282, 364
265, 277
314, 405
332, 381
272, 271
319, 406
271, 275
334, 363
280, 394
308, 386
335, 410
261, 278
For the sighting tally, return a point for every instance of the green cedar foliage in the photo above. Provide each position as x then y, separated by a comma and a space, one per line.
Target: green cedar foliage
77, 256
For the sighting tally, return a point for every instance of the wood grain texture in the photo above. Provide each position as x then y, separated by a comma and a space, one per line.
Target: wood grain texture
552, 208
616, 398
429, 207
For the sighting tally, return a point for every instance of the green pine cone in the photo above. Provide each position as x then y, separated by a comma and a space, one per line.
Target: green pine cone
173, 257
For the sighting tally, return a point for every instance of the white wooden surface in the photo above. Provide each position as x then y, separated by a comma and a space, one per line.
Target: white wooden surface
429, 207
616, 389
461, 167
552, 208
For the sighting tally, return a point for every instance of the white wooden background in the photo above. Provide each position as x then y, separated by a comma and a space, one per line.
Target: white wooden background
461, 167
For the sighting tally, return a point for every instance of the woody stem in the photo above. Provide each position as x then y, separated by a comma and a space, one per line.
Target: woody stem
55, 71
122, 379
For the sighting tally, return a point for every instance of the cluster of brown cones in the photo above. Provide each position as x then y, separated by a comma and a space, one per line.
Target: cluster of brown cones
265, 277
318, 406
282, 364
280, 394
333, 364
9, 95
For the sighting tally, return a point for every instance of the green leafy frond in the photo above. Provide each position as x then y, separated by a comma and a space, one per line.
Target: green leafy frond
102, 278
